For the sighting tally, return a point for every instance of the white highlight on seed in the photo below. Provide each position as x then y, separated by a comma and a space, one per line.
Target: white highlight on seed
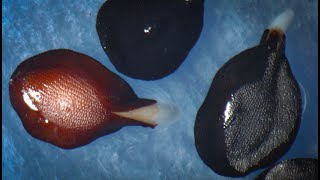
35, 94
46, 121
147, 30
283, 20
227, 112
28, 101
154, 114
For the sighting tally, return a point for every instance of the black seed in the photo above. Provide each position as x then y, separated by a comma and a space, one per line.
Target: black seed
149, 39
252, 112
300, 168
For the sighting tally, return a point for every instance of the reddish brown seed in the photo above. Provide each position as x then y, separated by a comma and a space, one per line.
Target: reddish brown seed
68, 99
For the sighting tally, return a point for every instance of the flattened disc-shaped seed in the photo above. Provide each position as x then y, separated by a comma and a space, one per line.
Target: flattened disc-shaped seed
69, 99
252, 111
149, 39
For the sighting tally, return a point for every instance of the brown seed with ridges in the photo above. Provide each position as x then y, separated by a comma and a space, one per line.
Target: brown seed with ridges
69, 99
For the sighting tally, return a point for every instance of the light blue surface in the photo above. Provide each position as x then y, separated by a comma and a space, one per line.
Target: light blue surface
168, 151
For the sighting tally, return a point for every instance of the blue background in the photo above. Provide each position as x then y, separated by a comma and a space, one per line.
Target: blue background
168, 151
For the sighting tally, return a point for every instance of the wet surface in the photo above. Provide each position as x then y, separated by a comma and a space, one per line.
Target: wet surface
168, 151
298, 168
149, 39
252, 112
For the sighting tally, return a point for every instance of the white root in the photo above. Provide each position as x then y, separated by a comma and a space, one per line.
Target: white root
283, 20
154, 114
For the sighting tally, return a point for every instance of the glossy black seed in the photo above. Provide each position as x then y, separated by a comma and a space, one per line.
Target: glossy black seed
149, 39
300, 168
252, 111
